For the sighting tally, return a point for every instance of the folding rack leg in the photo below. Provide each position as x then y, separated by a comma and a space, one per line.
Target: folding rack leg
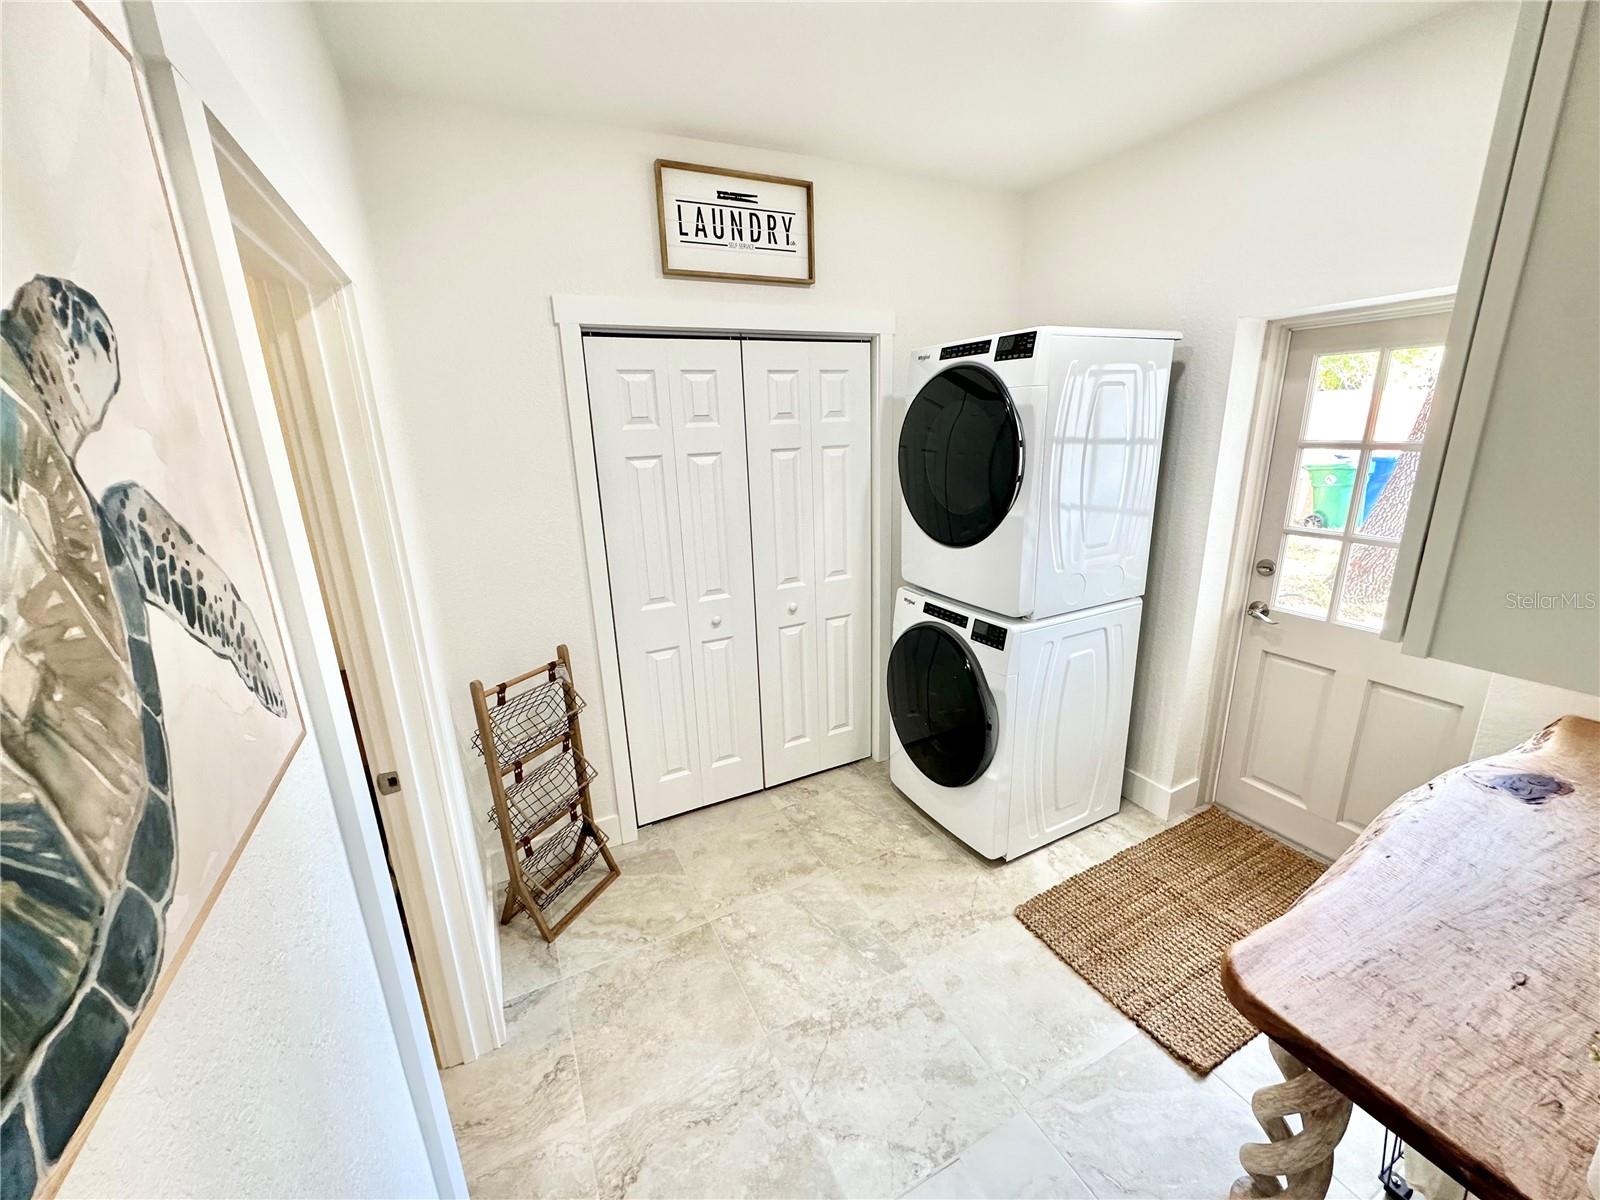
591, 828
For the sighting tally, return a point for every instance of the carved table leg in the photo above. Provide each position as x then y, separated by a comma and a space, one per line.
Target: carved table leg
1305, 1158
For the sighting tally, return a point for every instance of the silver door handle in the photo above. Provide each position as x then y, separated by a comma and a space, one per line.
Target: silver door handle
794, 607
1259, 610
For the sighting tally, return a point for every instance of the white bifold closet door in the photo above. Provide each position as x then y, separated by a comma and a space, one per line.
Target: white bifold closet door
668, 417
808, 423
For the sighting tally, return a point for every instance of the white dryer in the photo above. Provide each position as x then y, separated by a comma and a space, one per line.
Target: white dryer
1028, 467
1010, 733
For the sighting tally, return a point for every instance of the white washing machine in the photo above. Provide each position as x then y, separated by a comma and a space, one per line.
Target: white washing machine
1028, 467
1010, 733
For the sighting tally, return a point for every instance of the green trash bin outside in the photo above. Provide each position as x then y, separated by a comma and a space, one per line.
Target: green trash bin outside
1331, 485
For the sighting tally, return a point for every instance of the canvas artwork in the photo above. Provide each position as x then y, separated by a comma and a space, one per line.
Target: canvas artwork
146, 712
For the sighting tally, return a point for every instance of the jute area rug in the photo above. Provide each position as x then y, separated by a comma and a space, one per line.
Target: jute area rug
1148, 927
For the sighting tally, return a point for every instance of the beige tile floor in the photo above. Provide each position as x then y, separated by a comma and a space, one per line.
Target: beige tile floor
814, 991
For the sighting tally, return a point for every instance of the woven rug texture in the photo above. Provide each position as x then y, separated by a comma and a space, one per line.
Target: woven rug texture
1148, 927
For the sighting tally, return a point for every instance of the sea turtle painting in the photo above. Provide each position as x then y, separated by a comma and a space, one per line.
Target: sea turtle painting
88, 828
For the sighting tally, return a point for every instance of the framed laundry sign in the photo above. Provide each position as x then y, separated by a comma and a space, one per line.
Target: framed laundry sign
719, 224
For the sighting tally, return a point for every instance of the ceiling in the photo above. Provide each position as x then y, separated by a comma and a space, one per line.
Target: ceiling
1002, 94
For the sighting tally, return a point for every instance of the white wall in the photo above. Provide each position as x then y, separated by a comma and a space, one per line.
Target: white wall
477, 217
1516, 709
1357, 182
271, 1066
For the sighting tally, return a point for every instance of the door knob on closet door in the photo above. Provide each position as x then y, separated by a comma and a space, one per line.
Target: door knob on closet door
715, 621
794, 607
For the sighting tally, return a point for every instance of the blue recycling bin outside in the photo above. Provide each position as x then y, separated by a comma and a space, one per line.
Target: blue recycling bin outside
1377, 478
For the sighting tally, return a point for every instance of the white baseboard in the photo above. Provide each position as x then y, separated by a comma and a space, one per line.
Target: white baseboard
1158, 799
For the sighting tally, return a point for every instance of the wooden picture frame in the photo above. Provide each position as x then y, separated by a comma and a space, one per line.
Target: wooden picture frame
709, 224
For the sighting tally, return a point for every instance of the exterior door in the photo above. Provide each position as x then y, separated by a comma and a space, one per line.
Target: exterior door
1327, 724
808, 412
668, 424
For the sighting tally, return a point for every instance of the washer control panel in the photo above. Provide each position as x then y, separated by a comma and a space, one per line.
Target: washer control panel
986, 634
965, 349
1016, 345
944, 614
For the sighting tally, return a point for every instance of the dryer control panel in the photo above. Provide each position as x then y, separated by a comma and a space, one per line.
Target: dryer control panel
1016, 345
944, 614
986, 634
964, 349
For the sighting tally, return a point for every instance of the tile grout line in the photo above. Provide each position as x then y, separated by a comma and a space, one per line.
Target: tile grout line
766, 1037
686, 927
577, 1076
727, 957
916, 978
656, 943
1022, 1104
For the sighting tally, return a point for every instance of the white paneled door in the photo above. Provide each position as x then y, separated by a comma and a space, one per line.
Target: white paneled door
735, 490
668, 418
808, 423
1328, 724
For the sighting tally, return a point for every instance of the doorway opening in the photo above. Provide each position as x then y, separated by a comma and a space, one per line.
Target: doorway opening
292, 300
293, 330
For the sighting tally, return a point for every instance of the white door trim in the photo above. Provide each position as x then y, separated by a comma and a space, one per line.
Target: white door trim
431, 832
575, 315
468, 1019
1261, 352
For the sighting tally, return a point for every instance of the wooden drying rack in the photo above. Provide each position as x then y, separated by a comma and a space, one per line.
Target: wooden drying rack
533, 749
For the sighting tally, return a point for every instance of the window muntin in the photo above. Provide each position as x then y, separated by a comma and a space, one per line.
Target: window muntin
1355, 467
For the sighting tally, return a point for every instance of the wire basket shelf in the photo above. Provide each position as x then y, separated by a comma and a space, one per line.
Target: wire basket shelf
531, 720
555, 864
537, 799
532, 752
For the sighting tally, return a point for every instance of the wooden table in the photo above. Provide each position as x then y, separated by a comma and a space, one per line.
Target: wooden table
1443, 975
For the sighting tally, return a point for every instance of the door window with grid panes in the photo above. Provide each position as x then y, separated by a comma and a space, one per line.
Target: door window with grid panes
1360, 441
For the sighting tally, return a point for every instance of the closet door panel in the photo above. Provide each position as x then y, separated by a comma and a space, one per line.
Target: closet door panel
631, 410
842, 438
669, 449
706, 389
808, 428
778, 431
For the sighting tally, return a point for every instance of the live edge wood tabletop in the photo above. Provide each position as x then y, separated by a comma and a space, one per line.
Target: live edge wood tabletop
1442, 974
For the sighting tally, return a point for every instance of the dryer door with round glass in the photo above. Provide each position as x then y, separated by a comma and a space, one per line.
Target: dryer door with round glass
941, 706
960, 455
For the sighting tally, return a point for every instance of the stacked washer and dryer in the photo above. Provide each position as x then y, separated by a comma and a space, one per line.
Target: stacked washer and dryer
1028, 467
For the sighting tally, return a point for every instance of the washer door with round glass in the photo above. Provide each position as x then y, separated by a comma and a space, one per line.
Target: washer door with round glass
960, 455
942, 710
